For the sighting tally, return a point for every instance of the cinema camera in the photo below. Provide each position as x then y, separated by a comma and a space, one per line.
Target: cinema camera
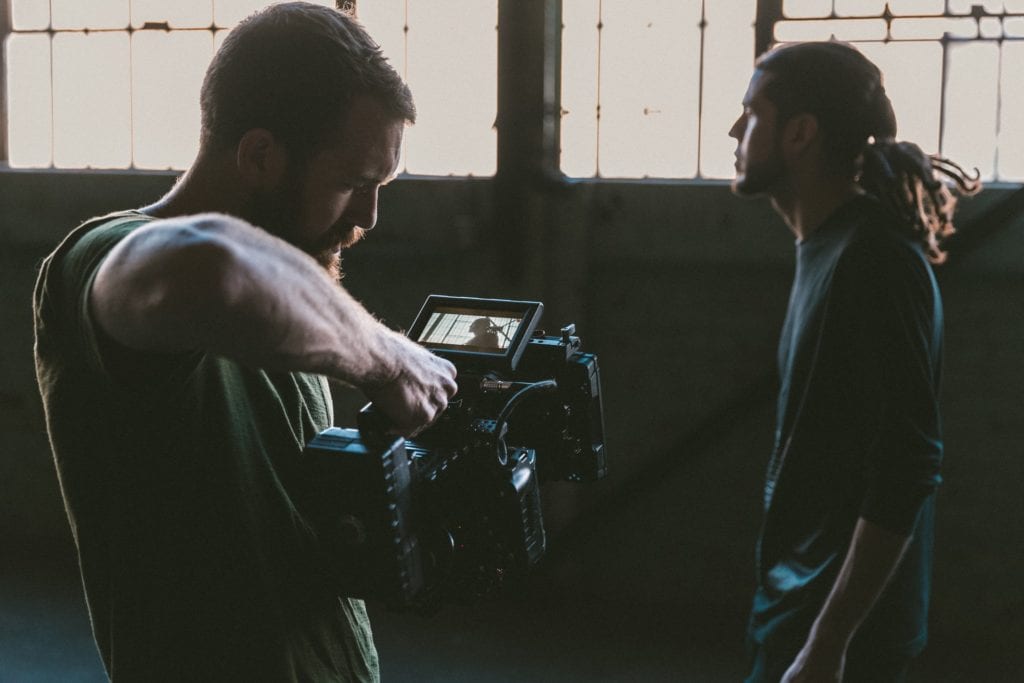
455, 515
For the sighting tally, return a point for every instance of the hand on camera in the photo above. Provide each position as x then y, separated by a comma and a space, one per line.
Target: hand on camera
417, 395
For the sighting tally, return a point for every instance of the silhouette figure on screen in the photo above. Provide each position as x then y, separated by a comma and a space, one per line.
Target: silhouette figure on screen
485, 334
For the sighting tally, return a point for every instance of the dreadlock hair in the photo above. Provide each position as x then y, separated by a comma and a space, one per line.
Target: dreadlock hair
294, 69
843, 89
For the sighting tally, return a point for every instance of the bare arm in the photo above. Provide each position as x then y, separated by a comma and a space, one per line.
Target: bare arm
217, 284
872, 559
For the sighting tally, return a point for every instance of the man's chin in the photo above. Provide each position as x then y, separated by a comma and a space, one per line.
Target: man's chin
330, 258
746, 186
741, 187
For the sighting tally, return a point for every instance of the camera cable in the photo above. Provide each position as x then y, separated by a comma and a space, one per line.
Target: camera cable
501, 423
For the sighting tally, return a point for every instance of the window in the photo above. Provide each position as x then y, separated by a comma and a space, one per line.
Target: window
650, 89
110, 83
448, 54
950, 68
115, 83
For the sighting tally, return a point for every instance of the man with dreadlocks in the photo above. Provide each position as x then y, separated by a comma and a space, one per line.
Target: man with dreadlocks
844, 555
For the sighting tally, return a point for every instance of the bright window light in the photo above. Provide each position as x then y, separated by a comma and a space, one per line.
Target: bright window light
972, 106
649, 88
456, 96
125, 98
76, 15
167, 72
91, 102
177, 14
1010, 163
976, 118
908, 89
28, 113
632, 96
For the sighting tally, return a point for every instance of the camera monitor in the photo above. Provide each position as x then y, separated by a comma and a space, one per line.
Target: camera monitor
492, 331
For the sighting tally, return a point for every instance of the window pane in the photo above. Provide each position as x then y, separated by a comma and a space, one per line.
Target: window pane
177, 14
807, 8
1014, 27
915, 29
650, 57
579, 88
917, 6
728, 64
842, 29
990, 27
971, 96
167, 70
75, 14
456, 97
965, 6
28, 100
860, 8
30, 15
913, 80
1011, 120
92, 125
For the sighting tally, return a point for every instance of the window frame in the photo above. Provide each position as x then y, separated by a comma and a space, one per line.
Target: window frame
528, 138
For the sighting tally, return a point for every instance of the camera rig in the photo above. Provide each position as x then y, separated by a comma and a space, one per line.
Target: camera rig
455, 515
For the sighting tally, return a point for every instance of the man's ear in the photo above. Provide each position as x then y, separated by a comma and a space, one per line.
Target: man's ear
800, 135
261, 159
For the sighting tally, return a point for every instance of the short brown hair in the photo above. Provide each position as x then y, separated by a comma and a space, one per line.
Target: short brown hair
293, 69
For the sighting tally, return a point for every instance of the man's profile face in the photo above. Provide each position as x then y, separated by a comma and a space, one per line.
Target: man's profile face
759, 164
329, 202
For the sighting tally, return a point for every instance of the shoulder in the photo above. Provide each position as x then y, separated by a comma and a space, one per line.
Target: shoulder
85, 246
81, 251
883, 272
879, 247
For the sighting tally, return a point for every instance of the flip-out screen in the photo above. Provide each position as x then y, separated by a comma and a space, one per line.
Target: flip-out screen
496, 329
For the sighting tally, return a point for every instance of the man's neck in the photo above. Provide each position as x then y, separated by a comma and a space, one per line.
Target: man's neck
208, 186
806, 205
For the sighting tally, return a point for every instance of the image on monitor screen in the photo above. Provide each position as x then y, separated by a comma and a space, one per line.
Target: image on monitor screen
473, 330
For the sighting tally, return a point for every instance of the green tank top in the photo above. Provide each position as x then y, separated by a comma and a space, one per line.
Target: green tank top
183, 486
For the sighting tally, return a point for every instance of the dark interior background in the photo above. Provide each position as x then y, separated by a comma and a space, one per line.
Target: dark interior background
680, 289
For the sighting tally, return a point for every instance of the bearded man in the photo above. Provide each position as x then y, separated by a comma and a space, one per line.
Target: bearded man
844, 554
183, 351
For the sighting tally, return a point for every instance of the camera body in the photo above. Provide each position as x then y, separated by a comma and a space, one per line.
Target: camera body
455, 515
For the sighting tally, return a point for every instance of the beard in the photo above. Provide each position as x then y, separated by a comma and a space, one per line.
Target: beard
759, 177
329, 257
277, 211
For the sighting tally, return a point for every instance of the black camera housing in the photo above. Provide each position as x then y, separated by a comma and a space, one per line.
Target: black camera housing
455, 515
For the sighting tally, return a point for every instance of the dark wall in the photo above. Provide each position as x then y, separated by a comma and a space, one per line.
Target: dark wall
680, 290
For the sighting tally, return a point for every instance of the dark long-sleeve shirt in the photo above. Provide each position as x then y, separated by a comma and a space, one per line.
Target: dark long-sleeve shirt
858, 431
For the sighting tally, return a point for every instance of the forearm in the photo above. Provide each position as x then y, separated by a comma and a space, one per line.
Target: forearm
872, 558
217, 284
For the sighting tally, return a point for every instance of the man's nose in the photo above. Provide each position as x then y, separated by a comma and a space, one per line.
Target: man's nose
737, 128
362, 210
